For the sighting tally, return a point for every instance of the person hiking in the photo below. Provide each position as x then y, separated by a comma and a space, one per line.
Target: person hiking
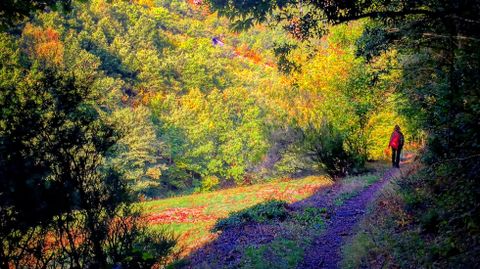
396, 143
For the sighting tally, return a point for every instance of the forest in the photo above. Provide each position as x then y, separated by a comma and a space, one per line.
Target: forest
239, 134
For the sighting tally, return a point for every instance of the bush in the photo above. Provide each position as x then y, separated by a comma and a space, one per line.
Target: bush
260, 213
208, 183
280, 253
326, 147
135, 245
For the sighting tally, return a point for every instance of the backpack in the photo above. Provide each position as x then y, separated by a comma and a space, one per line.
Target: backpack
395, 142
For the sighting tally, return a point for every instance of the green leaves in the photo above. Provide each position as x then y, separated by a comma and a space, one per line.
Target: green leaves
222, 132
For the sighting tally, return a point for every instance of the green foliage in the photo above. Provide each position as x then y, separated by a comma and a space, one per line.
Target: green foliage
419, 223
342, 198
148, 246
134, 53
209, 183
14, 12
149, 58
356, 98
221, 133
355, 251
65, 183
137, 154
273, 210
292, 162
436, 42
60, 200
311, 217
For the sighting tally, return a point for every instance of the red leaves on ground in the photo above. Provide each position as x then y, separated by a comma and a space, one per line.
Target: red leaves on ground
288, 194
181, 215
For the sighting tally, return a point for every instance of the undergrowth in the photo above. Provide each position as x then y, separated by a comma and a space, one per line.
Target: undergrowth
313, 217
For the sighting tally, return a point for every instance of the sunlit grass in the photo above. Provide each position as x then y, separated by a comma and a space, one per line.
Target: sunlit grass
192, 217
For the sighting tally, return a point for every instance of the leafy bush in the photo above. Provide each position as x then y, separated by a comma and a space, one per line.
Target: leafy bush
208, 183
326, 146
260, 213
290, 163
141, 246
46, 199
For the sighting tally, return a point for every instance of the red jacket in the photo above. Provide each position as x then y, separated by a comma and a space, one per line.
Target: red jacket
396, 140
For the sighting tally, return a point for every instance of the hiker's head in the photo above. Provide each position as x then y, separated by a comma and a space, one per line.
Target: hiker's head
397, 128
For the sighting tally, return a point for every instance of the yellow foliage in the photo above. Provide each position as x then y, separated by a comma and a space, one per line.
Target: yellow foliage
145, 3
380, 129
154, 172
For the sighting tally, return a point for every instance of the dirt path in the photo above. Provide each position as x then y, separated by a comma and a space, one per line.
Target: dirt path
325, 250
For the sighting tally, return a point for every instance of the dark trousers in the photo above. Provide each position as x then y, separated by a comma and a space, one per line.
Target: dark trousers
396, 157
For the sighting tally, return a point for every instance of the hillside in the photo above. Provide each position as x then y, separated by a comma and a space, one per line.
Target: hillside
197, 103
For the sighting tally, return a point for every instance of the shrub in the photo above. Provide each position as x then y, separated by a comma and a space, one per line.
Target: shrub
135, 245
260, 213
326, 147
208, 183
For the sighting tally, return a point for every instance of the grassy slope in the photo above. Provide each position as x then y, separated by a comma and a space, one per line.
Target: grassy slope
191, 217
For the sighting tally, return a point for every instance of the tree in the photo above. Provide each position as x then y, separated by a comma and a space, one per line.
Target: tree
60, 203
137, 154
220, 134
450, 27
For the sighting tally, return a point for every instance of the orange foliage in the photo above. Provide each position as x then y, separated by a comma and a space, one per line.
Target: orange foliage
182, 215
270, 64
199, 5
44, 44
244, 51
